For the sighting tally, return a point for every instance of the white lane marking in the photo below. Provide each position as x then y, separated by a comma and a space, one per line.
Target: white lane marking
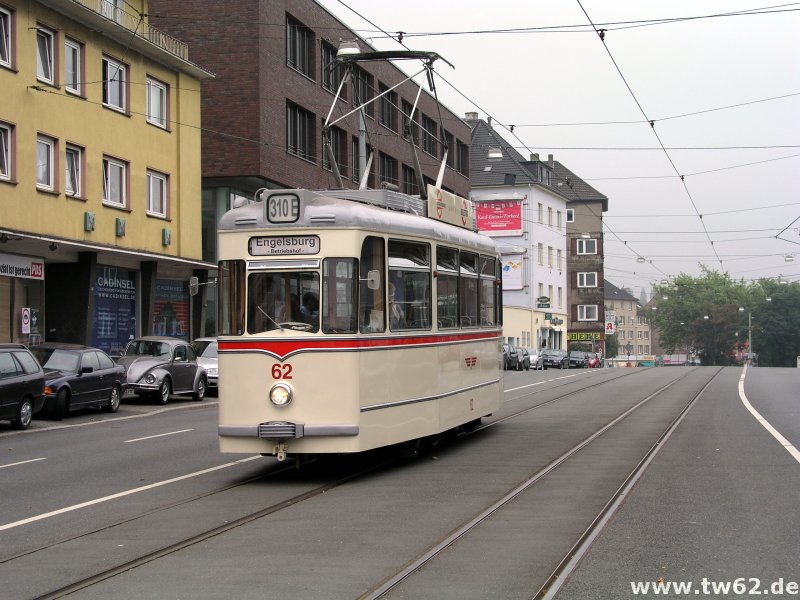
144, 488
24, 462
522, 387
150, 437
775, 433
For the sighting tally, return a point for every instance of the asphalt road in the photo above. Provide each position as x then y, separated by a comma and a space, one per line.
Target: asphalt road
719, 501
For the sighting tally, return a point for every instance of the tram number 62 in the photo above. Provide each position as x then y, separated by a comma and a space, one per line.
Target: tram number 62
281, 371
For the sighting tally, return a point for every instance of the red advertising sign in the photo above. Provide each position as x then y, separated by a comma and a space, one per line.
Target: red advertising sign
500, 216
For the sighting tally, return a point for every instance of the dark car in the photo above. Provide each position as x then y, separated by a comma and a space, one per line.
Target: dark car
512, 358
21, 385
578, 359
161, 366
555, 359
78, 376
206, 349
525, 359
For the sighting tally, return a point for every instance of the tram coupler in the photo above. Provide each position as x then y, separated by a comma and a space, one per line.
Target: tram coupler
280, 451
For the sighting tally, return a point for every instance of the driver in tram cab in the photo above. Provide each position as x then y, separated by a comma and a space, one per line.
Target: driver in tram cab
310, 309
397, 317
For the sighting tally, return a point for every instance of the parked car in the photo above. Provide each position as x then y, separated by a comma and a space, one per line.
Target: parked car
512, 358
556, 359
161, 366
535, 358
594, 360
206, 349
21, 385
525, 359
78, 376
578, 359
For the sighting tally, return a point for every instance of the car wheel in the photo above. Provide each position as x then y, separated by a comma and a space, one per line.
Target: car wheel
112, 405
201, 390
61, 406
24, 414
164, 391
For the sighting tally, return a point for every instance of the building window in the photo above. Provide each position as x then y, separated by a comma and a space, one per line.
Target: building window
587, 312
356, 161
332, 72
550, 256
299, 132
338, 141
541, 290
388, 116
6, 39
410, 186
73, 171
570, 215
540, 249
73, 66
587, 246
157, 103
363, 90
45, 159
559, 260
541, 213
388, 167
111, 9
550, 216
451, 152
429, 135
44, 55
114, 84
462, 157
115, 181
6, 151
587, 280
157, 192
560, 296
408, 122
559, 220
299, 47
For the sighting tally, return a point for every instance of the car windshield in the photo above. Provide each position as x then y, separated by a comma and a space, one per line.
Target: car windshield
204, 348
58, 360
147, 348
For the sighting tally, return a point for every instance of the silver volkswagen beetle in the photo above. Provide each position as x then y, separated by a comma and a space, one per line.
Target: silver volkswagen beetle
158, 367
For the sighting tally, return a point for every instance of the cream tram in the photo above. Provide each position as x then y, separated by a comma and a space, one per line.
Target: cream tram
346, 325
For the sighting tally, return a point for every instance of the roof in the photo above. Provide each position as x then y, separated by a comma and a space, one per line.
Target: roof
612, 292
576, 189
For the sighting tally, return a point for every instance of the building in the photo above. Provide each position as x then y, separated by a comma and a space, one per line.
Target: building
275, 86
632, 326
584, 219
520, 206
99, 174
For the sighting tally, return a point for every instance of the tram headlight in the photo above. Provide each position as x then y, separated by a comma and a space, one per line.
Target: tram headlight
280, 394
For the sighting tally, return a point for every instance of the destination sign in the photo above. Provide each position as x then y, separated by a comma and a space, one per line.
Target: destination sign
284, 245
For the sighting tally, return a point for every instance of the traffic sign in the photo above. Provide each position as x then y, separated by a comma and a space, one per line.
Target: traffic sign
26, 321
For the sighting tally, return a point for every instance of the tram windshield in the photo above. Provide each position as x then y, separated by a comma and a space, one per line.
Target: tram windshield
287, 300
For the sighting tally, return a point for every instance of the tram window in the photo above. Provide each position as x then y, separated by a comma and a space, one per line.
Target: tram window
446, 287
372, 313
498, 305
410, 280
468, 289
274, 301
339, 295
231, 297
486, 292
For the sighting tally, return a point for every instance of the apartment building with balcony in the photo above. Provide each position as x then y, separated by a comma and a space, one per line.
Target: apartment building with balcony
99, 174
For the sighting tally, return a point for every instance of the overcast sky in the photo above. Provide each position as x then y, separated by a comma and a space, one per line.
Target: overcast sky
561, 90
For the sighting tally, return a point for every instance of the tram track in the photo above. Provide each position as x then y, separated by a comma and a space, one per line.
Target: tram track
576, 552
430, 554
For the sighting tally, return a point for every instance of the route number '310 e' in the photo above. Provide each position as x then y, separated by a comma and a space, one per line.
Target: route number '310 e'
283, 208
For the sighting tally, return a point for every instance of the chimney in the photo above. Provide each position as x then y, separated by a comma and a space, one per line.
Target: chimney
471, 116
550, 161
535, 156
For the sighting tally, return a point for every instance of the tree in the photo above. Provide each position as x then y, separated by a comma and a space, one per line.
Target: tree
612, 345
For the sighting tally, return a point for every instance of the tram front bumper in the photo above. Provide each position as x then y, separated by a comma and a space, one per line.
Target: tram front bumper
283, 430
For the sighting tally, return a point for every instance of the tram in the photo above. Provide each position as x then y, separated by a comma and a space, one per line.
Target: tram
354, 319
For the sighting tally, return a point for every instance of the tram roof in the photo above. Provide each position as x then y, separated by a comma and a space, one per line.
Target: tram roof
320, 210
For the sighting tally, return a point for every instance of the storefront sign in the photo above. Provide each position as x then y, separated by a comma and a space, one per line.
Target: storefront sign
114, 320
24, 267
584, 336
171, 308
499, 217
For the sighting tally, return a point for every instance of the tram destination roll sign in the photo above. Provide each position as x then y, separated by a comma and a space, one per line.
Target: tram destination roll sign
284, 245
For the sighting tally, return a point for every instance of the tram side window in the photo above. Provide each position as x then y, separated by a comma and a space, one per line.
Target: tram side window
409, 286
486, 292
339, 280
283, 300
231, 297
447, 287
468, 289
372, 311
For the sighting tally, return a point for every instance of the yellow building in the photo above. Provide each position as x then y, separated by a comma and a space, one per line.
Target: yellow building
100, 188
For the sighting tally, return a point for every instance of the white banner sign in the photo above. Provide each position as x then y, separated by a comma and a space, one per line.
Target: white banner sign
24, 267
